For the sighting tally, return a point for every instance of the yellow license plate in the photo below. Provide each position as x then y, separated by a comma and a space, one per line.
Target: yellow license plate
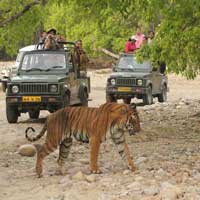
124, 89
31, 99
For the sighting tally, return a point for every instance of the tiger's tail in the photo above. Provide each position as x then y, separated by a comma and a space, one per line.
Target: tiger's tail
37, 137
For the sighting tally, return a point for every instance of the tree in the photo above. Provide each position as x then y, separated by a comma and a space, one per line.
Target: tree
18, 21
109, 23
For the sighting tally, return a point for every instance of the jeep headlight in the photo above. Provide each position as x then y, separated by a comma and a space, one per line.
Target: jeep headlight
15, 89
112, 81
53, 88
139, 82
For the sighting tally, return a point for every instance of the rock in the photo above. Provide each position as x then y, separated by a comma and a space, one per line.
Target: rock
161, 172
140, 160
66, 182
91, 178
27, 150
84, 161
79, 176
169, 191
139, 178
127, 171
135, 186
151, 190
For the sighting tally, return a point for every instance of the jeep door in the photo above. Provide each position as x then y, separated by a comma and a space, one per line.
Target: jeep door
74, 86
157, 79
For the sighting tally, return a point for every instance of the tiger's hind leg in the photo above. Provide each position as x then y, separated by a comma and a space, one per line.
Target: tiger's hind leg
118, 138
64, 150
42, 152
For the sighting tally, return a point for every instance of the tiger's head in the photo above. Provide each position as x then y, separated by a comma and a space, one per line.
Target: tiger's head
126, 116
133, 120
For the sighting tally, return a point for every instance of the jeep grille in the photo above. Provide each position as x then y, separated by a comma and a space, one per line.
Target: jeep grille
34, 88
125, 81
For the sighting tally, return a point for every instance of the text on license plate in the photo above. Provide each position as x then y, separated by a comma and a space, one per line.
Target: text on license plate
31, 98
124, 89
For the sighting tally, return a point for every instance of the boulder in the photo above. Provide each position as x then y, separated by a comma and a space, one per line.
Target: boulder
27, 150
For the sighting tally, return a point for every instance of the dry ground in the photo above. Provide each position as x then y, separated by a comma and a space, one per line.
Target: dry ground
166, 152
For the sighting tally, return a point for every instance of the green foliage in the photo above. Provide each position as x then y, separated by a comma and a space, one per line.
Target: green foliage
109, 23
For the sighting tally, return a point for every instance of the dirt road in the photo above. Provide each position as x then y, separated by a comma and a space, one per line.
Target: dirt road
166, 152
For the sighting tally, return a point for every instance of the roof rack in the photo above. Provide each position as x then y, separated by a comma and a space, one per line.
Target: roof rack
40, 45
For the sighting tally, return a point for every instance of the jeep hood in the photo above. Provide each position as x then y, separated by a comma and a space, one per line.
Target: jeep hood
38, 78
130, 74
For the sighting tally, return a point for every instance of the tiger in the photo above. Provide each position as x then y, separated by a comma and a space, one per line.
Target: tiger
89, 125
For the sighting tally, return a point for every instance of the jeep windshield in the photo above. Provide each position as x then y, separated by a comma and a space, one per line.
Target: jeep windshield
129, 63
43, 62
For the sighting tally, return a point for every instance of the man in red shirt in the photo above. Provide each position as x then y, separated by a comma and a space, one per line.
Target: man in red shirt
130, 46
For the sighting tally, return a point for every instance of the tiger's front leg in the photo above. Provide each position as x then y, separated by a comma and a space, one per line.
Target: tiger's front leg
118, 138
94, 152
64, 150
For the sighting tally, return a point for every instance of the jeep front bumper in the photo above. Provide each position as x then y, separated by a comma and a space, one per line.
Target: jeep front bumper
126, 91
32, 100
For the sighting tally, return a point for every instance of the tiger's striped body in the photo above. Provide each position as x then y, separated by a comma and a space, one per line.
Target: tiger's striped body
87, 125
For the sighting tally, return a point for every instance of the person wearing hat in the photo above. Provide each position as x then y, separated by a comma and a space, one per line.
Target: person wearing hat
52, 31
50, 41
130, 46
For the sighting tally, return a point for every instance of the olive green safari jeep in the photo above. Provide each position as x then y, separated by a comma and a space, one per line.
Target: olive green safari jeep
46, 80
131, 79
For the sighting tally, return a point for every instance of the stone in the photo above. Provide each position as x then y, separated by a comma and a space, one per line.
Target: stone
152, 190
91, 178
27, 150
161, 172
127, 171
84, 161
139, 178
66, 182
169, 191
140, 160
178, 107
79, 176
135, 186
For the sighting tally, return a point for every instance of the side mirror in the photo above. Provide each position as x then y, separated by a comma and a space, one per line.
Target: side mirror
162, 67
114, 67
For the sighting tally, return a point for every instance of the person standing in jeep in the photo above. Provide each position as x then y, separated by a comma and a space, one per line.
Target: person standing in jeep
130, 46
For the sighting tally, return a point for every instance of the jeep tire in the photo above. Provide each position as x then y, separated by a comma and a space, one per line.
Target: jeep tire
4, 86
162, 97
34, 114
148, 98
84, 99
66, 100
127, 100
110, 98
11, 113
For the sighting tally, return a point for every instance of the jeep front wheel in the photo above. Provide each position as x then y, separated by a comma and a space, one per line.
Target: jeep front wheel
84, 99
163, 96
34, 114
110, 98
148, 98
127, 100
66, 100
4, 86
11, 114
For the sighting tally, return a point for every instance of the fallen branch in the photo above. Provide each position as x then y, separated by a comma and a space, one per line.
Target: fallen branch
109, 53
16, 16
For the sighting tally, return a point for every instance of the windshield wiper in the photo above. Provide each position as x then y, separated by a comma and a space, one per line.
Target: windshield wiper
54, 67
34, 69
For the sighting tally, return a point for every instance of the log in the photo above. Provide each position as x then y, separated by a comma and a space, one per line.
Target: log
109, 53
